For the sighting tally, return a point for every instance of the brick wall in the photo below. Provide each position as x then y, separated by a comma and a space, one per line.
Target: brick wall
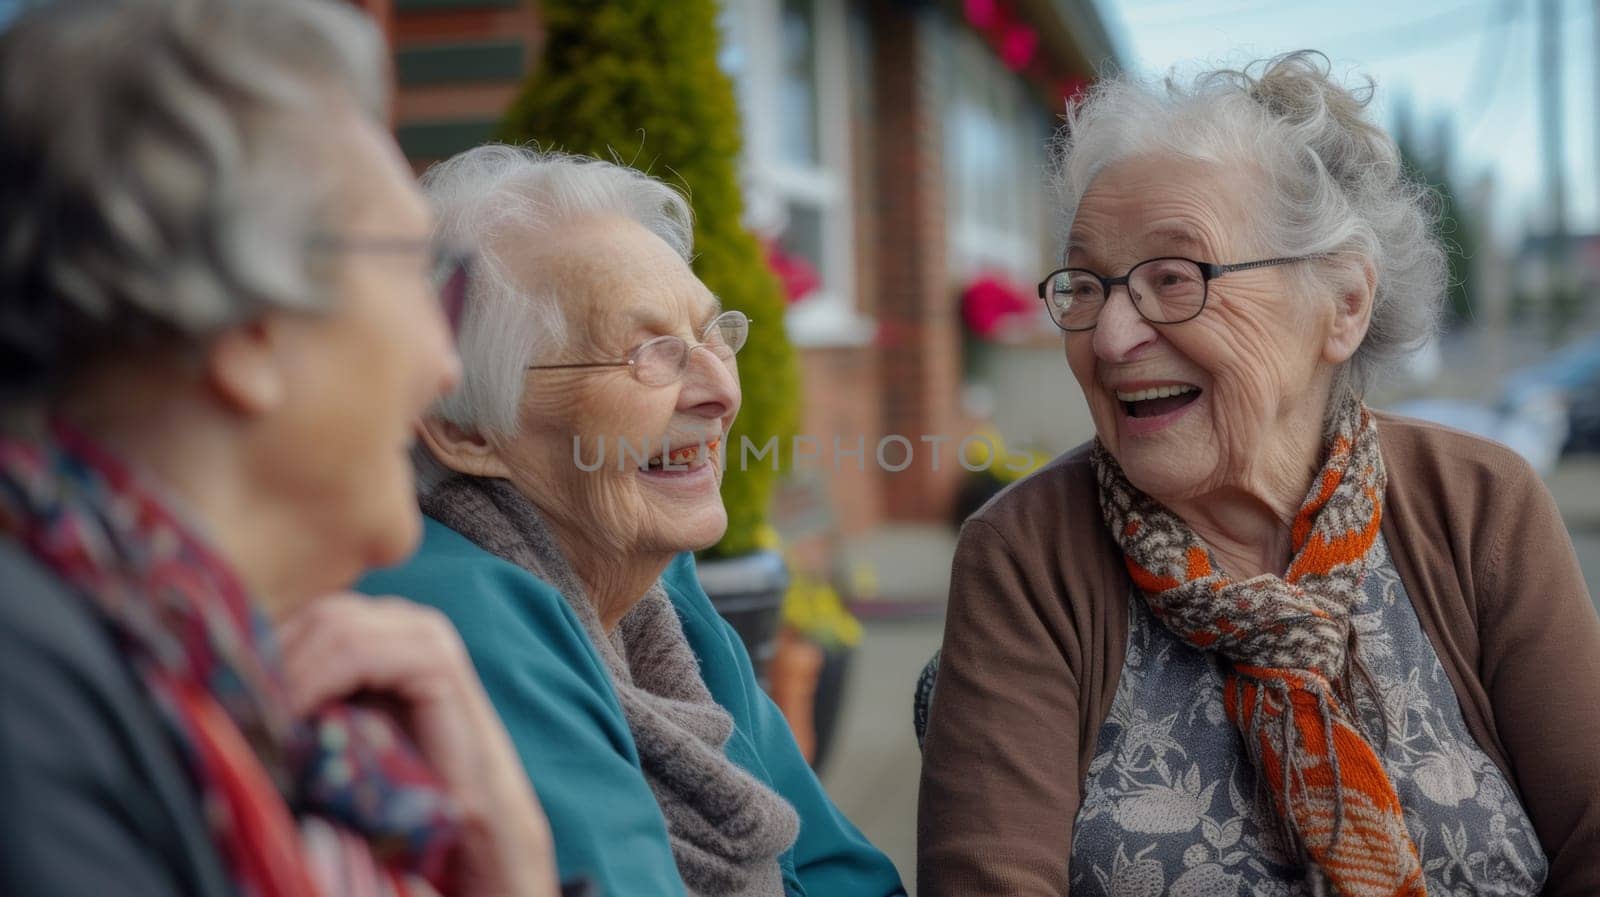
920, 376
458, 66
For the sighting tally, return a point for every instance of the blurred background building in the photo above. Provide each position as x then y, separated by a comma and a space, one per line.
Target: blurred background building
893, 157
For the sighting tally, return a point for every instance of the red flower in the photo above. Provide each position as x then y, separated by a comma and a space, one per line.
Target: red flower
1017, 47
982, 14
1072, 88
991, 303
795, 272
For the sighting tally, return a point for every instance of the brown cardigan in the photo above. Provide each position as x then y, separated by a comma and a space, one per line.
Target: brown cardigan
1038, 623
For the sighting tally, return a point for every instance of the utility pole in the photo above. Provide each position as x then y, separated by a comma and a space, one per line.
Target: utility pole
1552, 136
1550, 113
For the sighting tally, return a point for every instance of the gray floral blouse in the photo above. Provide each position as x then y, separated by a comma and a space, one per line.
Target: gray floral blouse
1171, 807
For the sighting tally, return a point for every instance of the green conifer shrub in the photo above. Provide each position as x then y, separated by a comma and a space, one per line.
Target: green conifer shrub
637, 81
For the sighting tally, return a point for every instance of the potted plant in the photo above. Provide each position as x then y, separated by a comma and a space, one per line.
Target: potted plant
998, 467
640, 81
812, 666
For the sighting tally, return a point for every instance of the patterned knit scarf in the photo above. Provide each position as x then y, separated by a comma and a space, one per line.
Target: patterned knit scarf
207, 658
1290, 654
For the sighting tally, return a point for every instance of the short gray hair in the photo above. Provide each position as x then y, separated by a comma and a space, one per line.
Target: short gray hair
1336, 180
495, 194
154, 177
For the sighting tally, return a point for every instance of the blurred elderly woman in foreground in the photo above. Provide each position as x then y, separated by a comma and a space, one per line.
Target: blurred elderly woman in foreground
1256, 638
216, 333
565, 484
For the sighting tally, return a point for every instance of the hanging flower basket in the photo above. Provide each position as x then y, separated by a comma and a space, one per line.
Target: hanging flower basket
994, 308
795, 272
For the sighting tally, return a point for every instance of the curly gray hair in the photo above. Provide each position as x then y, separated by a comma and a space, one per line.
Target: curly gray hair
1336, 178
154, 178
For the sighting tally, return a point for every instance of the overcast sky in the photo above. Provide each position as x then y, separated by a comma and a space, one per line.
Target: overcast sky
1475, 62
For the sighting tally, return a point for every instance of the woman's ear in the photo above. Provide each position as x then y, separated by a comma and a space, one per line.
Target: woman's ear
244, 366
460, 450
1352, 315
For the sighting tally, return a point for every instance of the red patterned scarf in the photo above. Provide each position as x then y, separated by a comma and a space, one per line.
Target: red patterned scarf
1291, 659
374, 813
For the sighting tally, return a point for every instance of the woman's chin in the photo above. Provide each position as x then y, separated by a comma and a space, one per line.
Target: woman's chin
691, 529
1163, 478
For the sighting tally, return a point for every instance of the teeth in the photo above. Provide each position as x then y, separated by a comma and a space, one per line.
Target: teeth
1155, 392
685, 456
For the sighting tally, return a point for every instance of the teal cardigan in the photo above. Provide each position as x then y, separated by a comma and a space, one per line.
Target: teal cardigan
551, 688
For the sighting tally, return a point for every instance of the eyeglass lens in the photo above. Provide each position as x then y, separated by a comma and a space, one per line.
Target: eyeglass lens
663, 359
1166, 291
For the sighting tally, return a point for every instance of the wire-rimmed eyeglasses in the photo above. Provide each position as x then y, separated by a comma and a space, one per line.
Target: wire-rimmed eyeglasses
663, 359
1166, 290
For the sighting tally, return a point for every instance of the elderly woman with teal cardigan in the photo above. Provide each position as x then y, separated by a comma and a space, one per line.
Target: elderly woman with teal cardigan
565, 484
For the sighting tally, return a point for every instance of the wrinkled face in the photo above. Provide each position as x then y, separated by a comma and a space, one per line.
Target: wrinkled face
358, 376
621, 285
1229, 398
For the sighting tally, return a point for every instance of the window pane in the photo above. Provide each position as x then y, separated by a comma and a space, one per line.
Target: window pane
995, 132
798, 95
803, 234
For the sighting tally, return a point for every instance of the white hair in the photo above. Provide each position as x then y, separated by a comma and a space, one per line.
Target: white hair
1335, 180
154, 182
497, 195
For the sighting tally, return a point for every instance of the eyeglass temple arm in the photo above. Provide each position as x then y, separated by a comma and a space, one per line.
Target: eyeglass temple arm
600, 364
1217, 270
591, 364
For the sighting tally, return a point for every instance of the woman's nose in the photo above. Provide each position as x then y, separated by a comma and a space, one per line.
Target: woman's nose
710, 385
1121, 331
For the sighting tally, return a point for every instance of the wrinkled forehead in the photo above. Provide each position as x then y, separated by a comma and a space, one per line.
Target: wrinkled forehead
617, 280
1148, 206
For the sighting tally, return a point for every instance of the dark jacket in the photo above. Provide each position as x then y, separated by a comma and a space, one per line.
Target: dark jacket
94, 797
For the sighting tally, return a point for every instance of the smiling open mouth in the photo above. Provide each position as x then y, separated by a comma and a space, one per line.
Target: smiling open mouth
1157, 400
683, 458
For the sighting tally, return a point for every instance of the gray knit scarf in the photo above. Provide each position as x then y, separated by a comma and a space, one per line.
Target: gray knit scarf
727, 828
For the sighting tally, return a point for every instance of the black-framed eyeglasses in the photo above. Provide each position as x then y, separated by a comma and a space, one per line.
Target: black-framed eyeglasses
1166, 290
449, 267
663, 359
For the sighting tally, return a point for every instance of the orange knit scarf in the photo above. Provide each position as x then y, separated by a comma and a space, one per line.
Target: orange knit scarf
1290, 656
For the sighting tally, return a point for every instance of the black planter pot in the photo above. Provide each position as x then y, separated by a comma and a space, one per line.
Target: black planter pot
831, 685
748, 592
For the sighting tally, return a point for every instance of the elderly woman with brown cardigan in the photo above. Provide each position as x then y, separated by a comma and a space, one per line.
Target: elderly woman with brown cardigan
1256, 638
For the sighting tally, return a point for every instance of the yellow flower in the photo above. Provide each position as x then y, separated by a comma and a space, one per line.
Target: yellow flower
814, 609
766, 537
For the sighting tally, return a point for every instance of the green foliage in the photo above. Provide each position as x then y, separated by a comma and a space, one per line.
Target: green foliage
637, 81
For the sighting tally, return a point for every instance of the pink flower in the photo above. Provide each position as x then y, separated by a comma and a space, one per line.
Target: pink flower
1017, 47
795, 273
1072, 88
990, 304
982, 14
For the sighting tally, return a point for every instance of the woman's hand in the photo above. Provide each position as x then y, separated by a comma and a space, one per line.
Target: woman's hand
347, 644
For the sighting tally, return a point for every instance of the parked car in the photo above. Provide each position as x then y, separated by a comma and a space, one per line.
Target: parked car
1535, 428
1573, 373
1583, 414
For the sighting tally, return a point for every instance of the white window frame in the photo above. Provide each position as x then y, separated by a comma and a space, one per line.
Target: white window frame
828, 316
976, 245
